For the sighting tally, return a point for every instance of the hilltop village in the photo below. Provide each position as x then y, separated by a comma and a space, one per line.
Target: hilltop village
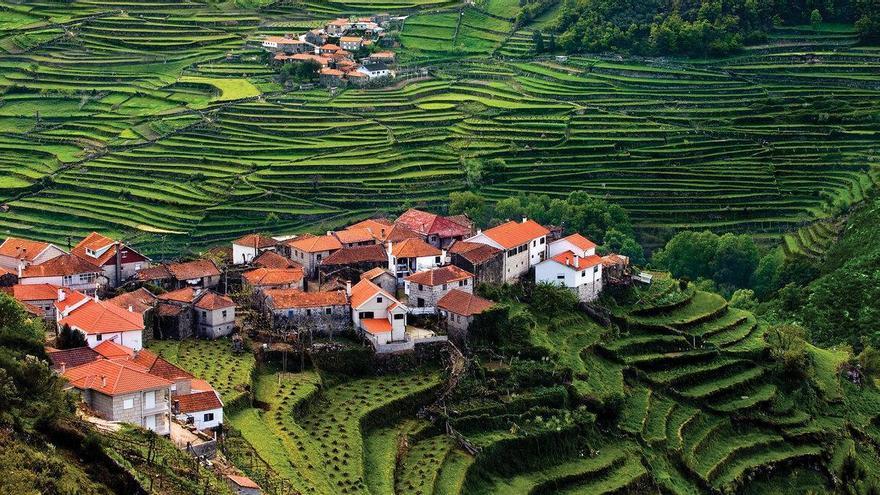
343, 52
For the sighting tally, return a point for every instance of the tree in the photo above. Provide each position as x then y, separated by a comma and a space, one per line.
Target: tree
736, 258
552, 300
766, 278
551, 43
815, 19
788, 347
468, 203
538, 41
689, 254
70, 339
744, 299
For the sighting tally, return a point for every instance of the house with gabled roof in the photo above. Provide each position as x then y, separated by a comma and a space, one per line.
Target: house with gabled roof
425, 288
274, 278
350, 262
16, 254
202, 273
377, 315
67, 271
457, 308
324, 312
215, 315
139, 300
412, 255
40, 296
381, 277
436, 230
573, 263
99, 320
524, 243
271, 259
245, 249
204, 410
484, 261
309, 250
118, 261
353, 237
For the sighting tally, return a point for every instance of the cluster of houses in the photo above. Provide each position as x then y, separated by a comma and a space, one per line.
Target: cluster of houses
335, 49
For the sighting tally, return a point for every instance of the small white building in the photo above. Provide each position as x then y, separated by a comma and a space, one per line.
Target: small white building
412, 255
574, 264
18, 253
524, 243
201, 409
245, 249
379, 317
375, 70
99, 320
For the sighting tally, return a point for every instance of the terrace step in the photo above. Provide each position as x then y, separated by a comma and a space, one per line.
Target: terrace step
660, 408
627, 475
722, 385
734, 334
766, 455
677, 375
763, 393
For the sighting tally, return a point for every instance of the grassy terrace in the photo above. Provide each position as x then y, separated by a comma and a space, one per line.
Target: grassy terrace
143, 123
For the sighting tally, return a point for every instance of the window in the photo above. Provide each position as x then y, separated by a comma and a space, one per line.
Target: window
420, 302
66, 280
318, 257
511, 253
208, 417
542, 240
365, 315
560, 277
595, 268
224, 313
204, 314
444, 286
328, 311
99, 337
534, 243
584, 273
128, 403
421, 287
289, 312
308, 312
399, 316
379, 299
462, 283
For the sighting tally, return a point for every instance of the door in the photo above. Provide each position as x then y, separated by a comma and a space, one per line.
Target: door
150, 422
150, 400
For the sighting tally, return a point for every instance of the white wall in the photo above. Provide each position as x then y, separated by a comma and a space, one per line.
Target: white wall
11, 263
199, 418
563, 245
133, 339
244, 254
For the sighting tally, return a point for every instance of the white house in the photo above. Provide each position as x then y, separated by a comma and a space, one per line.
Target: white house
203, 409
580, 269
66, 270
351, 43
377, 315
525, 244
18, 253
575, 243
375, 70
99, 320
412, 255
117, 261
245, 249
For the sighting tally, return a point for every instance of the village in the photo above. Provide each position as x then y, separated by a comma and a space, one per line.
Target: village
344, 52
394, 285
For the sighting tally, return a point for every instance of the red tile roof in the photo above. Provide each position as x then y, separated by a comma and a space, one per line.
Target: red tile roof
426, 223
113, 377
23, 249
376, 326
374, 253
60, 266
193, 269
568, 259
141, 300
71, 298
243, 481
111, 350
365, 290
33, 292
463, 303
159, 272
197, 402
580, 242
352, 236
257, 240
374, 224
271, 259
281, 39
71, 358
614, 259
96, 317
315, 244
294, 298
97, 242
211, 301
513, 234
413, 248
273, 276
439, 276
375, 272
474, 252
165, 309
184, 295
158, 366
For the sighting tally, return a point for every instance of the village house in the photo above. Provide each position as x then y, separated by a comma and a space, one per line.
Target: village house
338, 27
245, 249
284, 44
349, 263
386, 57
376, 70
410, 256
274, 278
331, 77
309, 250
615, 268
39, 296
99, 320
524, 243
66, 270
16, 254
436, 230
385, 230
353, 237
174, 314
383, 278
201, 273
377, 315
328, 48
484, 261
356, 78
140, 301
303, 57
326, 312
242, 485
425, 288
351, 43
315, 37
215, 315
117, 261
573, 263
204, 410
458, 308
271, 259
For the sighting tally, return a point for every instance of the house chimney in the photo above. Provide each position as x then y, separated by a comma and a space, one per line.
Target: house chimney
479, 231
329, 232
20, 268
103, 381
130, 308
577, 261
348, 287
63, 367
524, 219
61, 294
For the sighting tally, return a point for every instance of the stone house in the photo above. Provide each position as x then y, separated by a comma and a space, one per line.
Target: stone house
246, 248
309, 250
201, 273
458, 308
381, 277
274, 278
271, 259
327, 312
425, 288
40, 296
215, 315
436, 230
484, 261
524, 243
350, 262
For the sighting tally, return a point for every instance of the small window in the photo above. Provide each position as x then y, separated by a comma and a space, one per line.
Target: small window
399, 316
289, 312
511, 253
318, 257
328, 311
224, 313
128, 403
204, 314
437, 260
208, 417
542, 240
99, 337
584, 273
444, 286
534, 243
379, 299
308, 312
560, 277
595, 268
421, 287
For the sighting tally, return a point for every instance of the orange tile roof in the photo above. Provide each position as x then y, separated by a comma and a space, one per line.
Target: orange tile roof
377, 226
113, 377
375, 272
364, 290
281, 39
141, 300
376, 326
271, 259
427, 223
273, 276
97, 242
567, 258
309, 56
71, 299
474, 252
294, 298
350, 38
331, 72
158, 366
197, 402
23, 249
243, 481
111, 350
440, 275
251, 240
159, 272
212, 301
316, 244
352, 235
97, 317
193, 269
330, 47
33, 292
71, 358
165, 309
463, 303
60, 266
614, 259
513, 234
384, 54
184, 295
580, 241
341, 21
374, 253
413, 248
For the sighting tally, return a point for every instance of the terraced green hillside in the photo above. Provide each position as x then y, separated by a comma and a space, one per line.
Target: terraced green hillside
156, 121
